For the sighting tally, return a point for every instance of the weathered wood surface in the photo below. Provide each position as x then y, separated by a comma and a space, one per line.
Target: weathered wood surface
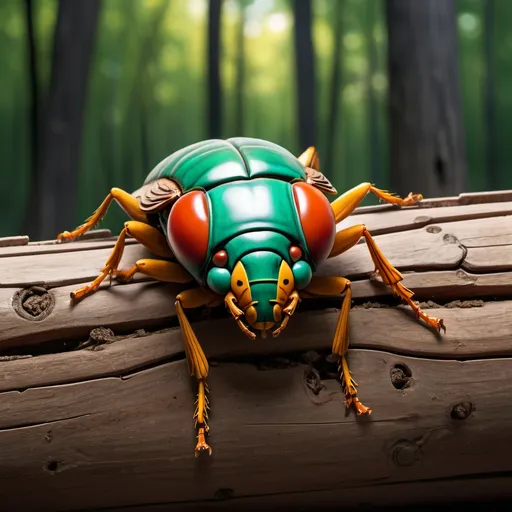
86, 424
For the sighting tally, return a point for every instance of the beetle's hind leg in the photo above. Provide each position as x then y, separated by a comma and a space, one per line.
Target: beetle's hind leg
345, 204
329, 286
151, 238
128, 203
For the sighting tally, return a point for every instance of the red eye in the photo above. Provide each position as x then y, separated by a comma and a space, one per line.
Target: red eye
317, 220
295, 253
220, 258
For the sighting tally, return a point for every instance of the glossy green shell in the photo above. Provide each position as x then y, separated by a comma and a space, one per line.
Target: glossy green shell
251, 209
210, 163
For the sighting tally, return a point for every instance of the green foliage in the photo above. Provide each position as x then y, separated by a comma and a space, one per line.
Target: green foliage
147, 92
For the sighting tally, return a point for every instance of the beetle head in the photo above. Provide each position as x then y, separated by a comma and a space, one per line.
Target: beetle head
262, 285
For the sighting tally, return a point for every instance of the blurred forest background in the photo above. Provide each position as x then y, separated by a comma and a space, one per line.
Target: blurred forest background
409, 94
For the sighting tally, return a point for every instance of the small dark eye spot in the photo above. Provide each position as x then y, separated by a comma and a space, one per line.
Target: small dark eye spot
285, 282
239, 283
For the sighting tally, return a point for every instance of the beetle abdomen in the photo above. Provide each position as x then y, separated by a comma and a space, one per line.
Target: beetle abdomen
216, 162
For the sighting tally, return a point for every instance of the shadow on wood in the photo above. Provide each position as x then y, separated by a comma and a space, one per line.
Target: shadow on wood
96, 402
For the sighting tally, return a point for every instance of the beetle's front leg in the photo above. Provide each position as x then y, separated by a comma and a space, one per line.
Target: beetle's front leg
127, 202
329, 286
197, 362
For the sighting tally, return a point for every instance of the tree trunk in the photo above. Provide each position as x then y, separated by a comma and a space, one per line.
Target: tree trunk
305, 72
240, 72
426, 132
96, 418
377, 176
490, 160
61, 129
334, 116
214, 84
34, 176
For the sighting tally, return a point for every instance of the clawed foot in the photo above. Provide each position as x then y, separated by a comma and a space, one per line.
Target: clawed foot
70, 236
92, 287
202, 446
80, 293
359, 406
436, 323
412, 199
65, 236
283, 325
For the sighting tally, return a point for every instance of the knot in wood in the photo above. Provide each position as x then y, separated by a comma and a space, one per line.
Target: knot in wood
405, 453
462, 411
422, 219
401, 376
434, 229
34, 303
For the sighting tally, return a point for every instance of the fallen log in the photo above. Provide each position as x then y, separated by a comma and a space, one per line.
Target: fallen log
96, 402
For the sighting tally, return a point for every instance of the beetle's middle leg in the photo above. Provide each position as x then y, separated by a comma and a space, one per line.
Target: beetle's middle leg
325, 286
345, 204
347, 238
151, 238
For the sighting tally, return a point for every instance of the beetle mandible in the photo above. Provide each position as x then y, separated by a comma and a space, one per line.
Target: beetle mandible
249, 223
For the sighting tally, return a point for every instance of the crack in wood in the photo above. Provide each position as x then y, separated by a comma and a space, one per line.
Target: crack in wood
43, 424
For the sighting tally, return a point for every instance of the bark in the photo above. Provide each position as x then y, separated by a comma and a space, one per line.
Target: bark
305, 73
427, 152
62, 122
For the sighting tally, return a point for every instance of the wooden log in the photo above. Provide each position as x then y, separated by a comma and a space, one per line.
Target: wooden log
96, 402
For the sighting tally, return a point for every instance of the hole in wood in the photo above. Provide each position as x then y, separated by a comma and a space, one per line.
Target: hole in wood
401, 376
52, 466
434, 229
34, 303
462, 411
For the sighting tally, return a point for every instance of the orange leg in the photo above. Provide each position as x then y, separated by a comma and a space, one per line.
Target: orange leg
349, 237
155, 241
344, 205
127, 202
328, 286
197, 362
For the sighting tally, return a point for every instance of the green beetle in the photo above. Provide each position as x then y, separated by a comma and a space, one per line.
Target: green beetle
249, 223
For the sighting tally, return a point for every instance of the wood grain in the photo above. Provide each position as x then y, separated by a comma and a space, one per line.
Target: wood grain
390, 329
393, 220
52, 247
132, 449
111, 425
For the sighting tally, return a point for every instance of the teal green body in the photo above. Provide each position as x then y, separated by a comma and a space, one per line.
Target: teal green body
251, 210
